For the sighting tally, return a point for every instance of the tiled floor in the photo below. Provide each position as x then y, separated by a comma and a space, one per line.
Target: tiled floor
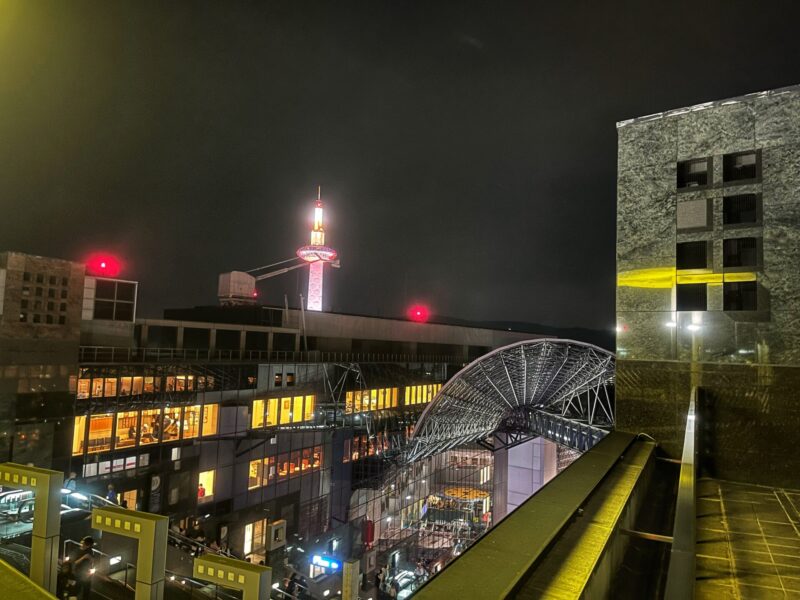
748, 541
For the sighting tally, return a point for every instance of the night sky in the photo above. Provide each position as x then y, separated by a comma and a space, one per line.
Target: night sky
466, 151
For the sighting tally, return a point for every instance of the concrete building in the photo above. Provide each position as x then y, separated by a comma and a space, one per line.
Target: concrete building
708, 248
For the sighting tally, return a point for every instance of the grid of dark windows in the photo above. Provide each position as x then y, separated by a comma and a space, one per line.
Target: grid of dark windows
741, 166
693, 173
37, 310
741, 295
691, 296
692, 255
740, 252
114, 300
740, 209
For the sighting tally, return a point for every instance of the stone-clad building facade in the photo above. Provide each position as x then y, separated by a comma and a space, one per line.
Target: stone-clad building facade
708, 280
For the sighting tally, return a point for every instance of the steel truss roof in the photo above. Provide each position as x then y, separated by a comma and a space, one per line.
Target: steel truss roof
546, 387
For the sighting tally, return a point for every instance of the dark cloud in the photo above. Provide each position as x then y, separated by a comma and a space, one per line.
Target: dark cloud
475, 174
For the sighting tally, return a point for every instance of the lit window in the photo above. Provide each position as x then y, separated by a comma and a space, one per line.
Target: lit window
84, 386
346, 455
191, 421
257, 414
256, 476
125, 385
172, 424
306, 461
170, 384
127, 429
148, 385
357, 404
283, 467
210, 415
316, 457
394, 397
78, 435
205, 486
110, 389
180, 383
270, 472
100, 433
294, 464
297, 409
348, 403
97, 387
286, 411
308, 414
380, 399
137, 386
272, 412
150, 426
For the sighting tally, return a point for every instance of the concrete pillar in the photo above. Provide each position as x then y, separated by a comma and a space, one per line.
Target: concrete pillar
144, 332
242, 340
179, 338
212, 339
269, 341
350, 579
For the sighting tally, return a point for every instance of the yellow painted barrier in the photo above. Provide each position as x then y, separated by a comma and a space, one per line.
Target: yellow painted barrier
46, 485
151, 532
253, 580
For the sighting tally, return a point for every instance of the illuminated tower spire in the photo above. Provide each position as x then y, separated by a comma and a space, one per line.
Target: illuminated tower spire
317, 254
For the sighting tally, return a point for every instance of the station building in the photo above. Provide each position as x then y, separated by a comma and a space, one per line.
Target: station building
226, 418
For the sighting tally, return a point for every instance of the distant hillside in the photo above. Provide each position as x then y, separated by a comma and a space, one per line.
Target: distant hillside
598, 337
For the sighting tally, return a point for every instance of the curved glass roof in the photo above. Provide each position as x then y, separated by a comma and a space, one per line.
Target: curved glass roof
545, 386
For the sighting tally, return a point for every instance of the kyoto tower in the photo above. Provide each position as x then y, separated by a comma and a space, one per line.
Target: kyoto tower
316, 254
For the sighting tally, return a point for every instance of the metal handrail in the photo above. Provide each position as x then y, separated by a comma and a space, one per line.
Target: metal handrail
681, 573
113, 354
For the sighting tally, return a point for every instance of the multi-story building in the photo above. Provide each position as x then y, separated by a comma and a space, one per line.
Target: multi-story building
707, 264
225, 418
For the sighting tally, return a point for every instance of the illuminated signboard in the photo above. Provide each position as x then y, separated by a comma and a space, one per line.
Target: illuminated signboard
326, 562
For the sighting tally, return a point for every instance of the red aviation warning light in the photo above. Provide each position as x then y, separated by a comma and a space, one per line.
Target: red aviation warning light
103, 265
419, 313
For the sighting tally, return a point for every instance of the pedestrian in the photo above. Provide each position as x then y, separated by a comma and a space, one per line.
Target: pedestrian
83, 567
111, 495
71, 483
67, 584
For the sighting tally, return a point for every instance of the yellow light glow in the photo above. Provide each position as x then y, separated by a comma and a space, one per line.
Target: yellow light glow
668, 277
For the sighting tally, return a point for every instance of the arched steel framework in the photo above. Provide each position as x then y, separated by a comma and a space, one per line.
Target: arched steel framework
547, 387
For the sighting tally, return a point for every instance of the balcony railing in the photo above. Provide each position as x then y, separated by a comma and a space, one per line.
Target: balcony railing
111, 354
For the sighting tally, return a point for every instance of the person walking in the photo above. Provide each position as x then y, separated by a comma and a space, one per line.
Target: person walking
83, 566
71, 483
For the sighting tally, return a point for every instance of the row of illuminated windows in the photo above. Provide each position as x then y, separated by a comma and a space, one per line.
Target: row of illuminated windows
129, 429
282, 411
279, 468
362, 446
367, 400
105, 387
421, 394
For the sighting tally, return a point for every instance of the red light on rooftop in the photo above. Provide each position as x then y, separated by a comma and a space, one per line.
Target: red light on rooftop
419, 313
103, 265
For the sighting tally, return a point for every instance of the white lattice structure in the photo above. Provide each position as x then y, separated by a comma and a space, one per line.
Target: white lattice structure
553, 388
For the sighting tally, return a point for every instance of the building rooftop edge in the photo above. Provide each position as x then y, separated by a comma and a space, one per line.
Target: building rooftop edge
791, 89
